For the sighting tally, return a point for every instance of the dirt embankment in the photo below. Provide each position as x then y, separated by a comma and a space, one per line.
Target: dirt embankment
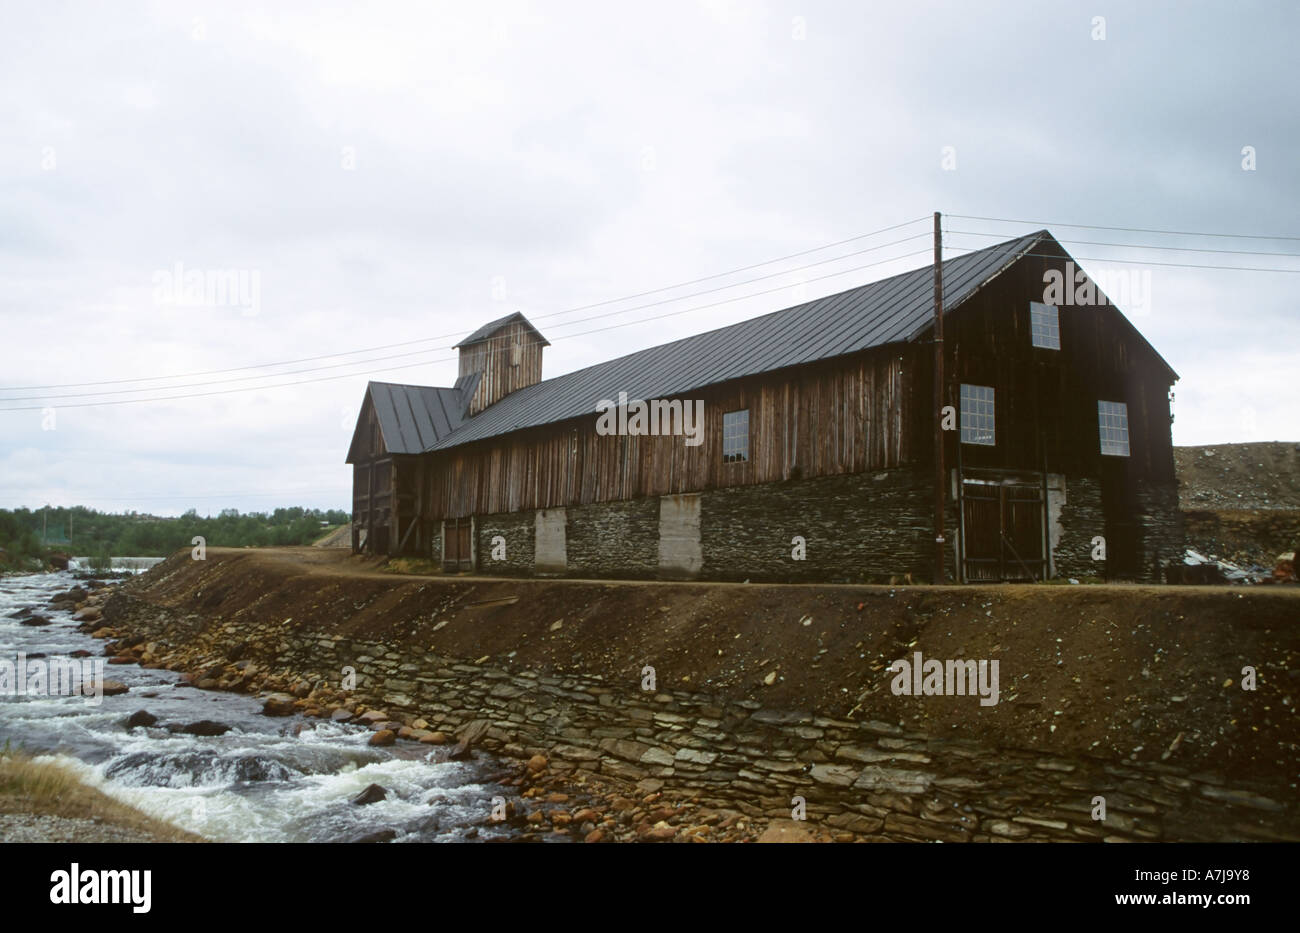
1117, 671
336, 537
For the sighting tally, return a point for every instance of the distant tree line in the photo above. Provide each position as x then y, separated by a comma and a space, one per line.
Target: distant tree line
28, 535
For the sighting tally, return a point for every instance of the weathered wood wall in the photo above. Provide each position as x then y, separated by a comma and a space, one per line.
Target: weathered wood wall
1046, 400
372, 480
821, 420
509, 359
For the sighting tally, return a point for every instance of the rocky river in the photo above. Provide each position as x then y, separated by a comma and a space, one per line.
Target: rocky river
286, 779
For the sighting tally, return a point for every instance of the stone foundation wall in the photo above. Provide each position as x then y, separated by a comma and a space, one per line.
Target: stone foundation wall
518, 529
615, 539
1082, 518
856, 528
1164, 538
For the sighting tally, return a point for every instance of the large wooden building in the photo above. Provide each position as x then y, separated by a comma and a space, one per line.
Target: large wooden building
815, 459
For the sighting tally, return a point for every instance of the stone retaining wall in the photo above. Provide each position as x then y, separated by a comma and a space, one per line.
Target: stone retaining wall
872, 778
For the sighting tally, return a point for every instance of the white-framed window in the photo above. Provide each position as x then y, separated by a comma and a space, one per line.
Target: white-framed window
977, 420
1112, 426
1044, 326
735, 436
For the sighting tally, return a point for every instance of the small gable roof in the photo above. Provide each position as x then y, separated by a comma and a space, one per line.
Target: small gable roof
491, 327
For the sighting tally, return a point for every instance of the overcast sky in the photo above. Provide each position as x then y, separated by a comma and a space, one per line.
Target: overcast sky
400, 174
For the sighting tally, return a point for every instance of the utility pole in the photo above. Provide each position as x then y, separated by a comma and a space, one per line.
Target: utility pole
938, 401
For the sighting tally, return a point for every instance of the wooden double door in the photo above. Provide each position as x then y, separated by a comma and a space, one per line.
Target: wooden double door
457, 544
1003, 530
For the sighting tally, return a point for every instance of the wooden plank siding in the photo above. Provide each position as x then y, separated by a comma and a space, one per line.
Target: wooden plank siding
846, 416
1046, 400
373, 474
509, 359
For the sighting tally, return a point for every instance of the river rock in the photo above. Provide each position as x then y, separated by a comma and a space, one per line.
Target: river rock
114, 688
383, 737
656, 834
202, 727
141, 718
372, 794
469, 736
277, 704
88, 614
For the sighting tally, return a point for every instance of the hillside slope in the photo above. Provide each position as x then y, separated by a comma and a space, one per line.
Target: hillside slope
1239, 476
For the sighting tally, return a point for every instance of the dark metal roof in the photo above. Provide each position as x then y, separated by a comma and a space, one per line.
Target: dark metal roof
415, 418
491, 327
893, 310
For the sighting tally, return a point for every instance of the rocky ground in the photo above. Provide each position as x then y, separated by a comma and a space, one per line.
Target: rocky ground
1239, 476
47, 827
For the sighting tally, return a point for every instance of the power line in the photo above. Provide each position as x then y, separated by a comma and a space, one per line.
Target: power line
389, 346
1136, 262
670, 314
501, 339
1042, 224
1180, 249
644, 320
